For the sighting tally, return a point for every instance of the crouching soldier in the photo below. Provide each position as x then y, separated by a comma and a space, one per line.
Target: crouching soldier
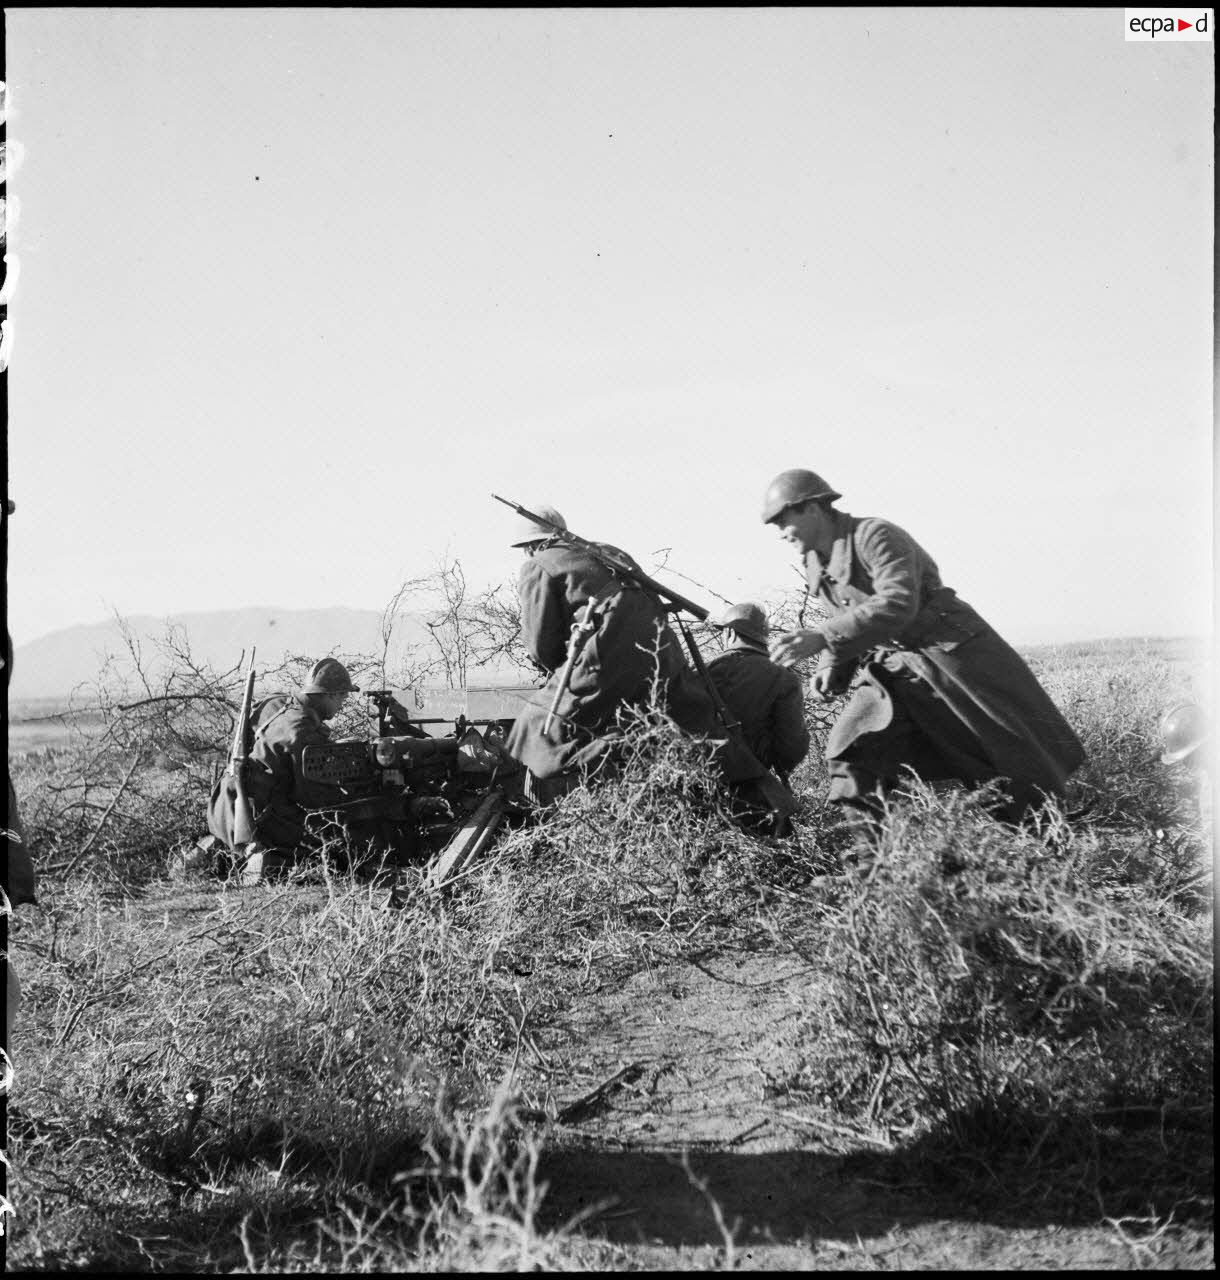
764, 698
280, 794
627, 655
934, 689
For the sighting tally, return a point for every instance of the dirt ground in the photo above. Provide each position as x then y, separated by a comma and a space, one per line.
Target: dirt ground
690, 1158
677, 1144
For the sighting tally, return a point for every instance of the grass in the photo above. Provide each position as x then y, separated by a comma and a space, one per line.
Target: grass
301, 1079
1006, 993
286, 1054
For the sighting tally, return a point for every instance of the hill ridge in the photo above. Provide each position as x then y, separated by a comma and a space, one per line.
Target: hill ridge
56, 663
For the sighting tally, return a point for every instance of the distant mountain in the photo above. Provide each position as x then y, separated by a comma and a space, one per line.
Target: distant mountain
55, 664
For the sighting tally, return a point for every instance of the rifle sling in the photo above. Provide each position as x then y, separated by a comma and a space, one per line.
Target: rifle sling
722, 712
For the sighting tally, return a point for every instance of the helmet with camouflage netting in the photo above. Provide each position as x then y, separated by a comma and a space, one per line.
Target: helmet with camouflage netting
526, 530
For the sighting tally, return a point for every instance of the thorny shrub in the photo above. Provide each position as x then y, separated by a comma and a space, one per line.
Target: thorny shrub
272, 1032
648, 861
1114, 698
140, 751
276, 1060
991, 987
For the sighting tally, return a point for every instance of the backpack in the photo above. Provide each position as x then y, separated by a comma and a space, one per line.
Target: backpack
221, 806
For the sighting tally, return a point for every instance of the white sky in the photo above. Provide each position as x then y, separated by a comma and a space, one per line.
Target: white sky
298, 289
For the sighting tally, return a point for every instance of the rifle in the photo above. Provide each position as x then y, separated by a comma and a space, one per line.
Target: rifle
614, 559
243, 815
622, 565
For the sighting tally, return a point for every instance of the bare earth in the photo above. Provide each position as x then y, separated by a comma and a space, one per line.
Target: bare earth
679, 1148
698, 1046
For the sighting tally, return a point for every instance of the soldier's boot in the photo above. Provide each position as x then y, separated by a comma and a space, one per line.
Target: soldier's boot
781, 826
863, 821
264, 865
199, 859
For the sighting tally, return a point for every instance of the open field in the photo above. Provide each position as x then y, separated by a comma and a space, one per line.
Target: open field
39, 724
634, 1036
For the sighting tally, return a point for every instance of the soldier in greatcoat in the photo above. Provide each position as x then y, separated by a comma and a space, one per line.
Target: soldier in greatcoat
765, 699
628, 652
934, 688
280, 794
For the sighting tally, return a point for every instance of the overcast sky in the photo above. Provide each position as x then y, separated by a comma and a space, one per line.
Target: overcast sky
299, 289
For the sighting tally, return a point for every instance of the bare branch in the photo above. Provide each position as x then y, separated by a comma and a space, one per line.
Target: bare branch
109, 810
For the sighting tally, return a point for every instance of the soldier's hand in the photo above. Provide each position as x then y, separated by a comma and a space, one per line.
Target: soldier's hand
819, 686
792, 646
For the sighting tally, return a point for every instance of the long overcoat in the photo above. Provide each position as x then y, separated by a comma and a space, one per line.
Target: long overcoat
631, 649
275, 784
279, 792
907, 639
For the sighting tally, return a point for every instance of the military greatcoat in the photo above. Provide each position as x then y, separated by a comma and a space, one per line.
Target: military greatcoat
934, 686
279, 791
767, 701
631, 646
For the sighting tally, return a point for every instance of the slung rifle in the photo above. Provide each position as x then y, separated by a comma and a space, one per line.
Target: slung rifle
624, 567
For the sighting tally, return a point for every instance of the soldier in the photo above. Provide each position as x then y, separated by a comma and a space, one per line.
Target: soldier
629, 650
935, 689
765, 699
279, 792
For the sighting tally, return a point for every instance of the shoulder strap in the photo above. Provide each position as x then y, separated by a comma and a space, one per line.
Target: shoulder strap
261, 729
602, 596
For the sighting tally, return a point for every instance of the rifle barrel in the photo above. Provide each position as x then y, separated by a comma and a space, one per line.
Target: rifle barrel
453, 720
667, 593
634, 574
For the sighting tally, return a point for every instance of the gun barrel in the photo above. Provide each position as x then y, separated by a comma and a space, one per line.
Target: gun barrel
454, 720
667, 593
632, 572
243, 814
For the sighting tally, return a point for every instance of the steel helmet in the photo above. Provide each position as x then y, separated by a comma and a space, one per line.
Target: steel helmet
1183, 731
329, 676
747, 620
791, 487
526, 531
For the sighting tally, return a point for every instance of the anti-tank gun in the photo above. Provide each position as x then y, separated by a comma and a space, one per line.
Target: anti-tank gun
417, 795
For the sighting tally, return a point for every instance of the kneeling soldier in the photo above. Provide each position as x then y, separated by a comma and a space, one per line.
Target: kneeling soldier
629, 655
280, 793
764, 698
